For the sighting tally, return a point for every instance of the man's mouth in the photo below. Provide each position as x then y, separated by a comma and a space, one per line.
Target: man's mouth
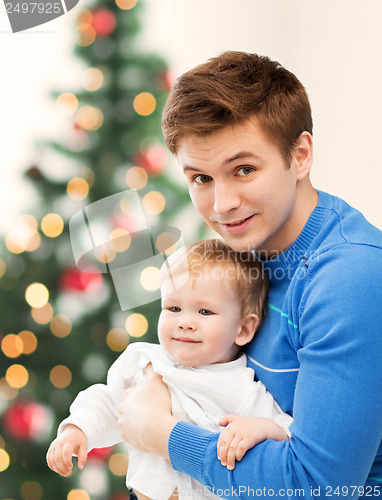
238, 225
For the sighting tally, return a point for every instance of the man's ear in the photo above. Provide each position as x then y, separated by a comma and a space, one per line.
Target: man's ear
247, 329
303, 155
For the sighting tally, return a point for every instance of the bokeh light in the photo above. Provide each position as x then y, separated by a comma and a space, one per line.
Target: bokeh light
37, 295
89, 118
52, 225
12, 345
117, 339
149, 278
6, 391
31, 490
3, 267
120, 240
85, 16
66, 104
77, 188
166, 243
24, 235
94, 480
60, 376
144, 104
136, 325
105, 253
4, 460
17, 376
78, 495
126, 4
61, 325
86, 35
29, 340
95, 367
136, 177
118, 464
42, 315
33, 243
92, 79
154, 202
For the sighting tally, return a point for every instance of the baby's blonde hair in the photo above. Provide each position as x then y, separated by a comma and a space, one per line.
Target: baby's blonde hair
240, 268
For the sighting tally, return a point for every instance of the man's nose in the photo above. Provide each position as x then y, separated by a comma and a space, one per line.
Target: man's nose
226, 199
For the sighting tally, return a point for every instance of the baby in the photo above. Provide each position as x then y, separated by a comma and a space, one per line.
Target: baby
212, 303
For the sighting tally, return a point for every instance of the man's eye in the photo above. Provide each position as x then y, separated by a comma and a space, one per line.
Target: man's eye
205, 312
245, 171
202, 179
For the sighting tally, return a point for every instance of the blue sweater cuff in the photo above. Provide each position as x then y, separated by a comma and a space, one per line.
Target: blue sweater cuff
187, 446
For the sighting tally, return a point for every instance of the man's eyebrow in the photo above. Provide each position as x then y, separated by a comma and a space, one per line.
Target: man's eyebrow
237, 156
243, 154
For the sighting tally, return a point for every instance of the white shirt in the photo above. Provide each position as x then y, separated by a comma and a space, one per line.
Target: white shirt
201, 395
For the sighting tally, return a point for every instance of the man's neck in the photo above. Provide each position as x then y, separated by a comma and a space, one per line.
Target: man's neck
306, 202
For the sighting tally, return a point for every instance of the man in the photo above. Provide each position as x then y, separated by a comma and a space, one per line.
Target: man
240, 126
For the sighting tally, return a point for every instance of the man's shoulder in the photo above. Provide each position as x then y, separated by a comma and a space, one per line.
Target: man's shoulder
345, 228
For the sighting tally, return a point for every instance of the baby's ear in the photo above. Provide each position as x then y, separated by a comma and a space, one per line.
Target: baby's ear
247, 329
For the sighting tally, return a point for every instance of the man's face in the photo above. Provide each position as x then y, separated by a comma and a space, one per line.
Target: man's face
240, 184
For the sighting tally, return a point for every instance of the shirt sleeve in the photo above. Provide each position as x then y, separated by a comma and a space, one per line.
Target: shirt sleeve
95, 410
337, 425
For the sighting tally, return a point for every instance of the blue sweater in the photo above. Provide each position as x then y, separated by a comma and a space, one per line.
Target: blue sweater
319, 353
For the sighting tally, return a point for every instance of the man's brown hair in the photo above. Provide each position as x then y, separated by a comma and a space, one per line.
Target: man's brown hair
231, 88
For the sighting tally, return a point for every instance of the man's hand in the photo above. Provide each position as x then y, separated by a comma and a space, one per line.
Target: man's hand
145, 417
71, 441
243, 433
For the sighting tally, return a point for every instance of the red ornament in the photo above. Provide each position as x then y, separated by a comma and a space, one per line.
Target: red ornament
166, 80
103, 22
121, 496
153, 159
25, 420
34, 173
74, 280
128, 222
100, 454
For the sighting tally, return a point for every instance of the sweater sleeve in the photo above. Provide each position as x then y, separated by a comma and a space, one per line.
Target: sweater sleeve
337, 425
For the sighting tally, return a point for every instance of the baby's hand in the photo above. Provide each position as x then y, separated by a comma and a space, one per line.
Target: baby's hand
71, 441
243, 433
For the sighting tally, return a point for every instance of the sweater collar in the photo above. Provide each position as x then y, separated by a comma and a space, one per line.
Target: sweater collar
292, 255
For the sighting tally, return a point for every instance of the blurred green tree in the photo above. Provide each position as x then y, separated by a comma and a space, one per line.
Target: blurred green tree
61, 327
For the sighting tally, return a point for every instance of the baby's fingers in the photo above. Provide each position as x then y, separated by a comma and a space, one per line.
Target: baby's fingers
223, 445
243, 446
55, 459
231, 453
82, 456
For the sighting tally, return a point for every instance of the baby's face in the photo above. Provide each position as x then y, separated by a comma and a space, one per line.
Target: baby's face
201, 320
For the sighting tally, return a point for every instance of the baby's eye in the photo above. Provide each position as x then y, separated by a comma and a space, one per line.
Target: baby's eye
202, 179
205, 312
245, 171
174, 309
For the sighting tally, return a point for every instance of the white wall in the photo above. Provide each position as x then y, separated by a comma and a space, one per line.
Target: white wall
334, 47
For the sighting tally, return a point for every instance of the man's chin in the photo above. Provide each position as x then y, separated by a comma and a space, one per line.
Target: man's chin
237, 245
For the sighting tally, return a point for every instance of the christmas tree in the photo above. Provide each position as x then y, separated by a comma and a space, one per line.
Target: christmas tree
62, 325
